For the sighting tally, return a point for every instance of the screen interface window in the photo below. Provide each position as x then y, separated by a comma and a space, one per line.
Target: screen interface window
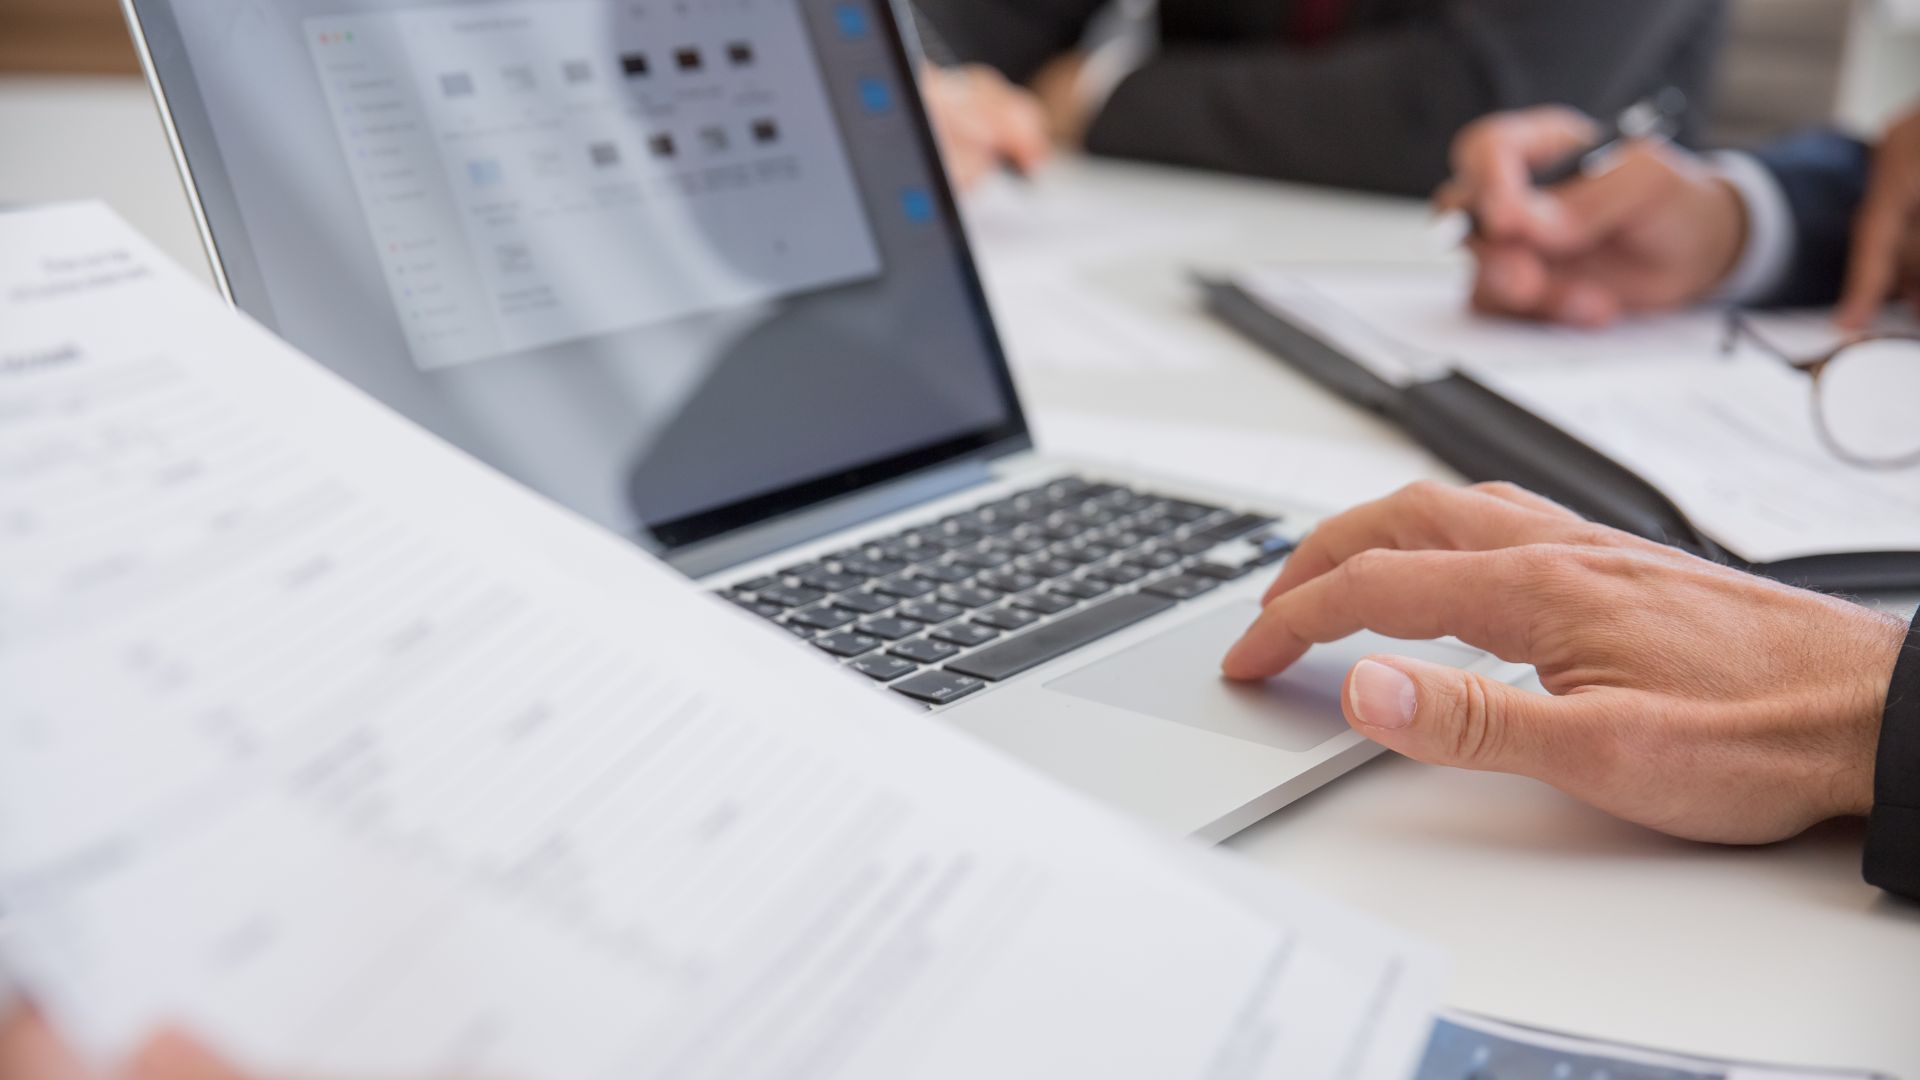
652, 258
512, 159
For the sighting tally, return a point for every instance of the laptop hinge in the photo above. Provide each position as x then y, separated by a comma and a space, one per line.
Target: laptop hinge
744, 545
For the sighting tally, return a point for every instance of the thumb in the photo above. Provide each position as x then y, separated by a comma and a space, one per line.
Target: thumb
1445, 716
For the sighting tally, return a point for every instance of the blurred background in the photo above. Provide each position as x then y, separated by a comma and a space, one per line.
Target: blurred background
1787, 64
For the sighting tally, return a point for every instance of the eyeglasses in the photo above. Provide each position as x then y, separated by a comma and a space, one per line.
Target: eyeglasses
1866, 393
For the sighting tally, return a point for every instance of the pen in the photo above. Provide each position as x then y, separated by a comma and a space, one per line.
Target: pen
1657, 117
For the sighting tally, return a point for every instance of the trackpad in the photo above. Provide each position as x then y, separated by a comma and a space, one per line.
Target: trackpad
1176, 677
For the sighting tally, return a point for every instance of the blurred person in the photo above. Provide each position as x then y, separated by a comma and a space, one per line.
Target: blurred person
1356, 93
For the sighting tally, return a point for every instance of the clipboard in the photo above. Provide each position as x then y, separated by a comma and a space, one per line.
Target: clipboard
1483, 436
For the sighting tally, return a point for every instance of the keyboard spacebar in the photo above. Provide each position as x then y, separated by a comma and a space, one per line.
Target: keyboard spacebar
1030, 650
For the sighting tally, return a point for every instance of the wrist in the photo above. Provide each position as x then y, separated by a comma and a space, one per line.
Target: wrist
1864, 689
1726, 235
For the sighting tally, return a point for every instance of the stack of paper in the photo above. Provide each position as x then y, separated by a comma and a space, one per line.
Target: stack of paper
340, 749
1728, 436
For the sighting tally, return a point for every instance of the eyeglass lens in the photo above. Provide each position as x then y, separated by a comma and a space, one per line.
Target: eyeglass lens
1870, 399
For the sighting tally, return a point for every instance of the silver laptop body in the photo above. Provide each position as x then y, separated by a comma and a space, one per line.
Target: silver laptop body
445, 247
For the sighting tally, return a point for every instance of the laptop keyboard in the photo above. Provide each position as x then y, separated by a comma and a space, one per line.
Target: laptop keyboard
940, 611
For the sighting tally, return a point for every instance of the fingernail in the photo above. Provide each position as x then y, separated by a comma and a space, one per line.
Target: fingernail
1382, 697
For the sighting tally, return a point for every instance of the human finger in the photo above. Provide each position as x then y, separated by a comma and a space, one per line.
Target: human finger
31, 1050
1493, 159
1446, 716
174, 1055
1424, 516
1586, 210
1873, 261
1488, 599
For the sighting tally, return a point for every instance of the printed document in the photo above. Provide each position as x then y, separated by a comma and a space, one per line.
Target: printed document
1728, 436
337, 748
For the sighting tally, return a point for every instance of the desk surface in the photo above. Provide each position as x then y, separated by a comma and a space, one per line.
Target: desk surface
1555, 914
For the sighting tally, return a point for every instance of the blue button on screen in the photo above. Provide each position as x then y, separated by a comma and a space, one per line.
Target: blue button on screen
918, 205
852, 20
875, 97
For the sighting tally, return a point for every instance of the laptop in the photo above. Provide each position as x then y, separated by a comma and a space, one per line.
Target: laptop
692, 269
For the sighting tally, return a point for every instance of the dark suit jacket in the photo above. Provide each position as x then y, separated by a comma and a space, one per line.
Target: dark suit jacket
1823, 175
1377, 105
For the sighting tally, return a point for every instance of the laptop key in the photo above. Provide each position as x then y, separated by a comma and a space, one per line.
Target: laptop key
1043, 603
1080, 588
1030, 650
906, 588
944, 572
1236, 526
824, 617
1218, 572
866, 603
1156, 560
937, 687
1047, 566
759, 607
1006, 618
1008, 581
831, 581
925, 650
1181, 586
790, 596
965, 635
890, 629
847, 643
871, 567
968, 595
756, 584
1118, 574
930, 611
882, 667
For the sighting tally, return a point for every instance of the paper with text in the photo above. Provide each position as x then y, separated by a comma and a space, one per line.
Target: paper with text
1733, 443
348, 754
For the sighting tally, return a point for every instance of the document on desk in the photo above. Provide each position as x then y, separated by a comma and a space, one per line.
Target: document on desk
1728, 437
1732, 443
341, 750
1408, 324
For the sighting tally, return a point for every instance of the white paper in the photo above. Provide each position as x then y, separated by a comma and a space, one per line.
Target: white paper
1411, 324
1288, 468
1734, 445
1729, 438
338, 748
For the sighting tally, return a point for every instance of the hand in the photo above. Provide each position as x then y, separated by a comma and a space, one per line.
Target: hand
1684, 696
1885, 259
30, 1050
982, 121
1063, 98
1656, 230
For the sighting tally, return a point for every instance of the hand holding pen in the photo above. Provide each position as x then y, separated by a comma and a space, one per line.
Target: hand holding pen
1578, 222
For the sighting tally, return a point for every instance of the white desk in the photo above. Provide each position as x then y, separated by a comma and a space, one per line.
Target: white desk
1556, 915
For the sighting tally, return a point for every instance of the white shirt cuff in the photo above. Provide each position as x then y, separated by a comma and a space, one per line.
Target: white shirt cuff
1768, 251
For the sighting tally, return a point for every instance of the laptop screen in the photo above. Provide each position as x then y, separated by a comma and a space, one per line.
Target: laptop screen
679, 264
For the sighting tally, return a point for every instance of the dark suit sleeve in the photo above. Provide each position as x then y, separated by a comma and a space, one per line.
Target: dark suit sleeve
1823, 175
1893, 829
1016, 36
1379, 107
